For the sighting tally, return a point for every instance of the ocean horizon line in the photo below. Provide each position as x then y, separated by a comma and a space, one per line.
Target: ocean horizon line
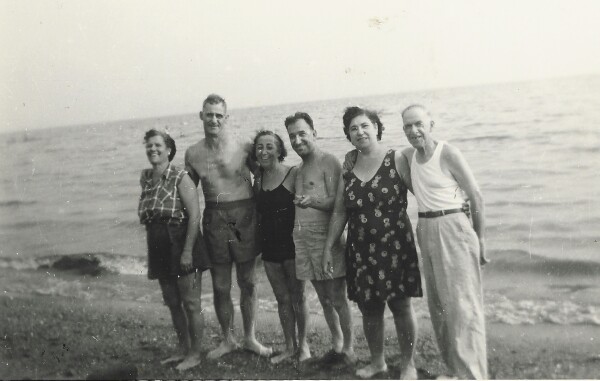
245, 108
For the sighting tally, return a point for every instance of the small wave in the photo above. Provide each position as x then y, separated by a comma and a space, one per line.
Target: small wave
521, 203
83, 263
22, 225
476, 124
522, 261
500, 187
504, 310
595, 149
10, 203
493, 138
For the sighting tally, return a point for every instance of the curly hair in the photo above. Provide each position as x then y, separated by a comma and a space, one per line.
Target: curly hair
354, 111
278, 141
169, 142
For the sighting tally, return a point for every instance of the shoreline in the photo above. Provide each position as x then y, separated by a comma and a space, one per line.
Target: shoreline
45, 336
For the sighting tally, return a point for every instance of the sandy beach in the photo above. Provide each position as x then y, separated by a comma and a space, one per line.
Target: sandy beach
65, 325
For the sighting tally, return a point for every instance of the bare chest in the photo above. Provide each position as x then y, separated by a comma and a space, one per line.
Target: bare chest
312, 179
221, 164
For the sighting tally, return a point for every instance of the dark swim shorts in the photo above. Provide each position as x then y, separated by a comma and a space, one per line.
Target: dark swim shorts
230, 231
165, 246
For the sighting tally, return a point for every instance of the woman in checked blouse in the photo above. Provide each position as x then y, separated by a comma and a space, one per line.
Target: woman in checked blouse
176, 252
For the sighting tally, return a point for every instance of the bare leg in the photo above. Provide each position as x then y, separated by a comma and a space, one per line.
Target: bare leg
406, 329
172, 299
180, 323
191, 292
331, 316
221, 279
245, 278
277, 277
300, 307
337, 289
373, 328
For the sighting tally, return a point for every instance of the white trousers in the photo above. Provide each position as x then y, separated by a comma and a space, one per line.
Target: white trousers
450, 255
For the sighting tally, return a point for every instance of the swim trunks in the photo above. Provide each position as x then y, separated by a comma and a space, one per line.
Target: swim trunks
230, 231
309, 238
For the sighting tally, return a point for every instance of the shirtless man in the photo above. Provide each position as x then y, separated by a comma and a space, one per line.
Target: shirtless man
316, 185
219, 162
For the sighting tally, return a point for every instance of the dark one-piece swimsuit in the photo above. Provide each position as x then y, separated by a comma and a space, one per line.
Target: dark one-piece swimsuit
277, 211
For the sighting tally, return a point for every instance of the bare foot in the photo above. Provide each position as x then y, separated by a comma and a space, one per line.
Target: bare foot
304, 353
173, 359
258, 348
223, 348
190, 361
409, 373
288, 353
371, 370
349, 357
446, 377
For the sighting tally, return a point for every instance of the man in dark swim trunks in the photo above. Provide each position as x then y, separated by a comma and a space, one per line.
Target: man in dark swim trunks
220, 162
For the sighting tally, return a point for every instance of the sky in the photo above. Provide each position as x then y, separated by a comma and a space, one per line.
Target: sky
80, 62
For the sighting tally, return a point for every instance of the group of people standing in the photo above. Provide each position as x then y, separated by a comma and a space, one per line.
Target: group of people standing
296, 217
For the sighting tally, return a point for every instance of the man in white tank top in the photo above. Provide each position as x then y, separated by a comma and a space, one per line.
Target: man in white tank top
452, 250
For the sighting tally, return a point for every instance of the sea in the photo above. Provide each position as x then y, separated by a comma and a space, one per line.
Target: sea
534, 147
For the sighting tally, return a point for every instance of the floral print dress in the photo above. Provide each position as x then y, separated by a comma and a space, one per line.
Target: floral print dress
381, 256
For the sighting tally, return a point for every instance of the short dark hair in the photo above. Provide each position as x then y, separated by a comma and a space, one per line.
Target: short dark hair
214, 99
278, 141
169, 142
354, 111
296, 117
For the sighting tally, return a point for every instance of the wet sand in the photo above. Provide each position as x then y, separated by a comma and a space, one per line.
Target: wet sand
60, 325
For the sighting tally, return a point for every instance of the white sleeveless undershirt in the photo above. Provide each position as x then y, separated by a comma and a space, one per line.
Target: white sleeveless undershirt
434, 189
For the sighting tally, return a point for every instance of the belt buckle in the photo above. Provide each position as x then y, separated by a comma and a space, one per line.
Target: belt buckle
443, 212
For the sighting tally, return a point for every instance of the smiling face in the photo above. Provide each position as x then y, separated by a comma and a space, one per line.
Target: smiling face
362, 132
302, 137
266, 150
417, 126
214, 118
157, 151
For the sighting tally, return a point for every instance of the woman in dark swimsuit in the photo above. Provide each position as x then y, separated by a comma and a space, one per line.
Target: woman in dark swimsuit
274, 190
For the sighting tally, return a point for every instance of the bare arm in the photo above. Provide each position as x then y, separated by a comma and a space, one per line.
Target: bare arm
404, 170
298, 178
190, 170
251, 164
257, 180
290, 181
460, 170
189, 198
338, 220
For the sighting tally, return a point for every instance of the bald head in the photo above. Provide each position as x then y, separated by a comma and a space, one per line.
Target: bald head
417, 125
416, 106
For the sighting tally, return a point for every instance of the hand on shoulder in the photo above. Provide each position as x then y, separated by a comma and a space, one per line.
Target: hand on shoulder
350, 160
408, 152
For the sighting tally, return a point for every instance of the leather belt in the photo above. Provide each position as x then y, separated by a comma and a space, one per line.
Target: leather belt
439, 213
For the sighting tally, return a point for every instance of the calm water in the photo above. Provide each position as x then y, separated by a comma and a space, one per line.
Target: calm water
534, 148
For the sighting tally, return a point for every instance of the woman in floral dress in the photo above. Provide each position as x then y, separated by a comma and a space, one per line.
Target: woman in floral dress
381, 257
